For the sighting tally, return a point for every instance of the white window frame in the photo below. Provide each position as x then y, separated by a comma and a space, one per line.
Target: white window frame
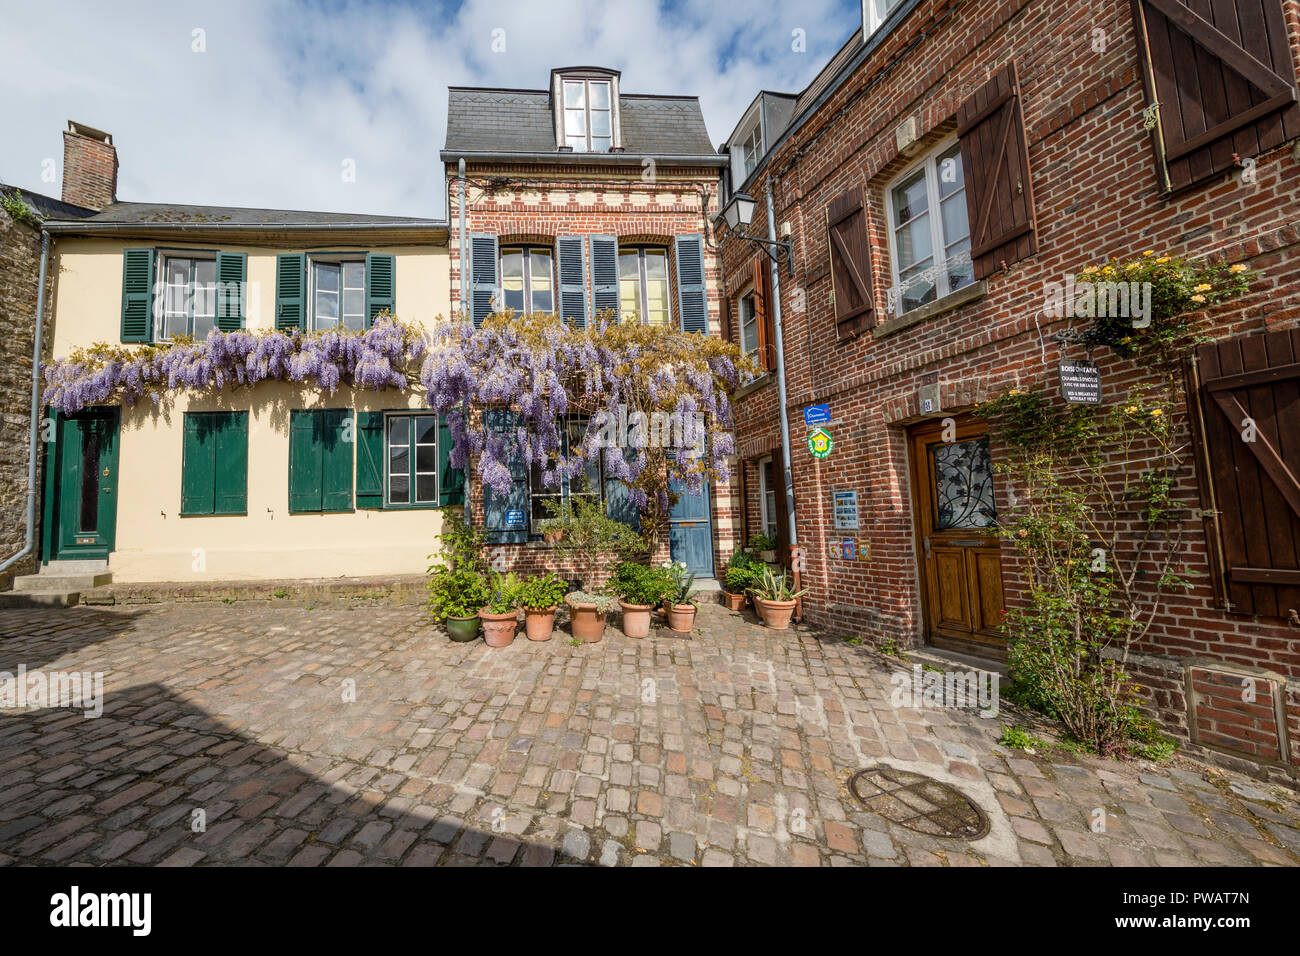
587, 83
410, 416
874, 13
767, 514
643, 283
750, 131
334, 260
160, 290
527, 252
938, 242
741, 321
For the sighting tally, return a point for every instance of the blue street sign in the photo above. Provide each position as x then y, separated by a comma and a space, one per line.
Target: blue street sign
816, 415
515, 519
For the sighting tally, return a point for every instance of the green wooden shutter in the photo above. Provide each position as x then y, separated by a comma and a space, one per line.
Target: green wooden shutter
305, 453
573, 280
604, 276
483, 276
291, 291
692, 302
198, 465
336, 459
497, 509
231, 465
451, 481
232, 271
370, 459
381, 283
137, 295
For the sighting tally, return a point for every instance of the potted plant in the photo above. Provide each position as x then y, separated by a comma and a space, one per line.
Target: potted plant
456, 595
501, 612
737, 578
775, 598
552, 530
764, 546
590, 537
679, 602
639, 589
540, 596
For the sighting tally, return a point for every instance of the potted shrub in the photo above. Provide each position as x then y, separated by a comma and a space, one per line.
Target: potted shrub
456, 595
540, 597
679, 602
775, 598
764, 546
639, 589
501, 612
590, 537
552, 530
737, 578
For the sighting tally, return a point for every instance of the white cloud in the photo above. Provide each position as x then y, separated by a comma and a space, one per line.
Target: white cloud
286, 93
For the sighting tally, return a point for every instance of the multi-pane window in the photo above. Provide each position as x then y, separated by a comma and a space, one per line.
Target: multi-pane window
751, 148
767, 496
338, 295
748, 324
189, 297
588, 117
874, 12
586, 485
643, 286
929, 232
526, 282
411, 473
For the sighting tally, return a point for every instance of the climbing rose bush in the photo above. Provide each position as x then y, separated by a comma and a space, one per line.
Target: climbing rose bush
544, 371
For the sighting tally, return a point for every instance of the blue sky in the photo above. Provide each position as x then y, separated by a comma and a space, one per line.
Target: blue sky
255, 103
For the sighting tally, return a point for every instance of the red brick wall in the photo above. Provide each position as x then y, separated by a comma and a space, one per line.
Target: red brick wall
1095, 195
89, 171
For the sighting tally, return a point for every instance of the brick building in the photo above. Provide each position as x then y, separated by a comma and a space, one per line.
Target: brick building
581, 199
947, 164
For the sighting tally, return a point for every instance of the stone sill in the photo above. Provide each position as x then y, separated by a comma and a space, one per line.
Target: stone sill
951, 301
767, 378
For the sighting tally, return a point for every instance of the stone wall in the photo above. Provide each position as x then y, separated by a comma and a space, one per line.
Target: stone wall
20, 263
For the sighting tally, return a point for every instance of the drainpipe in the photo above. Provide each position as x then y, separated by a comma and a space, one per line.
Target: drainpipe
464, 275
775, 271
32, 446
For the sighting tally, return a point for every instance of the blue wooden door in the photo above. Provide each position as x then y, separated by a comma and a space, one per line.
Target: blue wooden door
690, 530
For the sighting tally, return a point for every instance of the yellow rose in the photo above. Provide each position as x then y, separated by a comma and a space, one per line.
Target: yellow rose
1132, 410
1132, 265
1198, 298
1156, 413
1126, 340
1203, 287
1238, 268
1163, 259
1149, 252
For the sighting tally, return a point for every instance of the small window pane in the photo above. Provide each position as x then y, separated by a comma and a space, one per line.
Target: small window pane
540, 268
575, 122
628, 266
910, 198
354, 275
426, 458
398, 431
913, 242
574, 93
955, 224
426, 487
599, 96
426, 429
578, 143
629, 299
949, 171
543, 301
600, 144
399, 489
599, 123
327, 277
656, 264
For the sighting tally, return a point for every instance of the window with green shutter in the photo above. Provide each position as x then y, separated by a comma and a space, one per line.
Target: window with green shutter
320, 460
137, 295
404, 461
214, 463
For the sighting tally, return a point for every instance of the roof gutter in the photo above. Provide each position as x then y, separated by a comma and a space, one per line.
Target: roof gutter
585, 159
74, 226
29, 538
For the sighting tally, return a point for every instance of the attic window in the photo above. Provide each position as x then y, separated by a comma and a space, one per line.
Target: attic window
751, 148
588, 116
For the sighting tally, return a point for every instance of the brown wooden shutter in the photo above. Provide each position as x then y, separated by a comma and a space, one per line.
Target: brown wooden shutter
782, 512
850, 253
995, 160
1250, 490
1222, 74
763, 314
727, 322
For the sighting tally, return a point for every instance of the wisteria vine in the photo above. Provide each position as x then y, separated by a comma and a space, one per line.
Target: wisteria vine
545, 372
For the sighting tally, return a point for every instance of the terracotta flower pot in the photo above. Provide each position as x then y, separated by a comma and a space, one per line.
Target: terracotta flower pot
775, 614
499, 629
587, 623
539, 623
463, 629
768, 556
681, 618
552, 537
636, 619
733, 602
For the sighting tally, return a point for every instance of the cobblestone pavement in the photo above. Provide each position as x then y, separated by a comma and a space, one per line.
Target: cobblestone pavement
731, 747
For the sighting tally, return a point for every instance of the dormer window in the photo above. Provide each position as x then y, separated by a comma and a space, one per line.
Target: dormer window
751, 148
588, 115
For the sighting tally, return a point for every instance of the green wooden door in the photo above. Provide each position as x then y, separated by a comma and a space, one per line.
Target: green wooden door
85, 512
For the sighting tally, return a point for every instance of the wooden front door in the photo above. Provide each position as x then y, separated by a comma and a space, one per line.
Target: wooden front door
85, 496
959, 557
690, 530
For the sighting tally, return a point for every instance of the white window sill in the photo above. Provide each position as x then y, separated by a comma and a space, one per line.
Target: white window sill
951, 301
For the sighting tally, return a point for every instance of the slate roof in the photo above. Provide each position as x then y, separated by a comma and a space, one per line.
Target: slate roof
520, 121
150, 213
48, 206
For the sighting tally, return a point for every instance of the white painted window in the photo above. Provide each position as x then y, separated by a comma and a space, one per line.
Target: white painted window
189, 299
748, 324
767, 495
929, 235
874, 13
411, 476
338, 294
751, 148
526, 282
643, 286
588, 115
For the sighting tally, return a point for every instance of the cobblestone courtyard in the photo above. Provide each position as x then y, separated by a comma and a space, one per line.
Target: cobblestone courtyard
733, 747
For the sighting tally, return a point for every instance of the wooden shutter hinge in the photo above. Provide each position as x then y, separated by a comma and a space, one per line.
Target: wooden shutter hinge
1151, 116
1203, 514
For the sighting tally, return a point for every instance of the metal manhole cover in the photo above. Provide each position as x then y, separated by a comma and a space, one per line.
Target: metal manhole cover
919, 803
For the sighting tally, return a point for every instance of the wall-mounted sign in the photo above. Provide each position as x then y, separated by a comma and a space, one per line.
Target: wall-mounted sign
927, 399
1080, 383
846, 510
515, 519
816, 415
820, 443
849, 549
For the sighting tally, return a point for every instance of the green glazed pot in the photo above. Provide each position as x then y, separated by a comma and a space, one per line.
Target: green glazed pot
462, 629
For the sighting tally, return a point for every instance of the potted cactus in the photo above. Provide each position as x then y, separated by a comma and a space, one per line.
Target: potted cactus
775, 598
540, 596
501, 613
638, 589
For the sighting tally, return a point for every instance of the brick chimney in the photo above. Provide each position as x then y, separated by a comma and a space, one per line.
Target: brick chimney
89, 167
